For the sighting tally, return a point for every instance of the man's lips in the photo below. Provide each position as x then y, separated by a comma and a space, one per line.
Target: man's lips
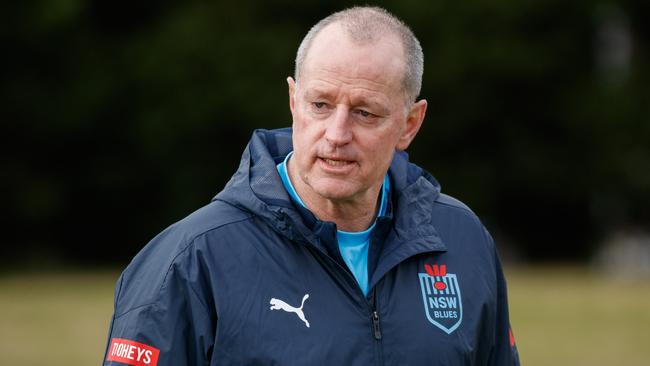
336, 165
336, 162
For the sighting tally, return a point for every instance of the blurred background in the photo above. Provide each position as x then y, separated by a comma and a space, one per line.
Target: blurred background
120, 118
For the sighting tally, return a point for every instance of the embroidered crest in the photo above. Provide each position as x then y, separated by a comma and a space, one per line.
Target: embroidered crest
441, 297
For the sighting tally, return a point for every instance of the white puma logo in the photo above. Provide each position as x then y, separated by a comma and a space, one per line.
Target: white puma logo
277, 304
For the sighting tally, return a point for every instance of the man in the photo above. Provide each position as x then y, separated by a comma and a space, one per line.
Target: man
327, 247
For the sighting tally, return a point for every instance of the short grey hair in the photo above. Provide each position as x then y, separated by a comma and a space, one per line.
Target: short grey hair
367, 24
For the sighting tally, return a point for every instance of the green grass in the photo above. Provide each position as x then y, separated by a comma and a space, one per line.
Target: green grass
55, 319
560, 316
569, 316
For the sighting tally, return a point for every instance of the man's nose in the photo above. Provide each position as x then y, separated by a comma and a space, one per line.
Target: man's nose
338, 131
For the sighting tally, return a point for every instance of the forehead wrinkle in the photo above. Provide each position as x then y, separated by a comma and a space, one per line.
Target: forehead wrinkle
337, 83
356, 94
319, 91
339, 75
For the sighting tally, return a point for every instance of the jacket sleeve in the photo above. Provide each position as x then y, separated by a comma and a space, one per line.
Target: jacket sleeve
504, 351
174, 327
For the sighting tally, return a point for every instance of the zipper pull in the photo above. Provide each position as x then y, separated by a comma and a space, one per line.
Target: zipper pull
375, 325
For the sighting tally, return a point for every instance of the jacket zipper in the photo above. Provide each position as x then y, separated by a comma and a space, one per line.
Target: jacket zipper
375, 325
371, 305
376, 329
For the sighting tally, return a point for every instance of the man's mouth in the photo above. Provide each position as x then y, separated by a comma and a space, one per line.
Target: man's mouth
333, 162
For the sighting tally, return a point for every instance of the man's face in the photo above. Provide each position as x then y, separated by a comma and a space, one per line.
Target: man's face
349, 115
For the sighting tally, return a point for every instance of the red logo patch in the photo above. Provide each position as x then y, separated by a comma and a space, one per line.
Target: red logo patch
132, 353
437, 270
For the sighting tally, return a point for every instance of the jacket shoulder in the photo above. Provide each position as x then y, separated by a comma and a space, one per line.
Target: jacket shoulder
171, 250
212, 216
449, 212
447, 200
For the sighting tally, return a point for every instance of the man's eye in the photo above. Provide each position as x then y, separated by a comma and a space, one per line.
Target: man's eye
365, 114
319, 105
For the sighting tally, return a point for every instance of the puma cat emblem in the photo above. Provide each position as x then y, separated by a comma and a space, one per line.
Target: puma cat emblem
277, 304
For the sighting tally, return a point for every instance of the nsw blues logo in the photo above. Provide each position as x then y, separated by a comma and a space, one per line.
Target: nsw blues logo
443, 304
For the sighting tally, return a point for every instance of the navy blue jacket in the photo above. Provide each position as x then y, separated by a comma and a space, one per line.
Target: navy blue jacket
252, 279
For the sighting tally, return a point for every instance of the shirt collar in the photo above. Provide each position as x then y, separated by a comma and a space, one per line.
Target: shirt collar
286, 181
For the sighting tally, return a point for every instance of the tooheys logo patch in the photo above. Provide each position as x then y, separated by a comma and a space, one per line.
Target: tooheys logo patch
443, 304
132, 353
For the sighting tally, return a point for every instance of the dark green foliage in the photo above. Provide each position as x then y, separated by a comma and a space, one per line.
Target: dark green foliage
119, 117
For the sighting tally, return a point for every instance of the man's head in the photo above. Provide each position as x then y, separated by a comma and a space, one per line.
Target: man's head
366, 25
353, 103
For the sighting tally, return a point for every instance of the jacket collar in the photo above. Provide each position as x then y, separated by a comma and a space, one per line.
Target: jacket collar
257, 187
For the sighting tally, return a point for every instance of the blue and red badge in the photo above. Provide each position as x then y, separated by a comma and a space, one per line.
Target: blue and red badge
441, 296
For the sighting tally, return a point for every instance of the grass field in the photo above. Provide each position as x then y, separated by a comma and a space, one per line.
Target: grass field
560, 316
575, 317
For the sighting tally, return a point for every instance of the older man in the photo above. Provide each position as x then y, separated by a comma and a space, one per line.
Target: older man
327, 247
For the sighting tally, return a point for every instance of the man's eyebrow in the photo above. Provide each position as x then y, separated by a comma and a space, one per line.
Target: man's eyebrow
374, 103
318, 92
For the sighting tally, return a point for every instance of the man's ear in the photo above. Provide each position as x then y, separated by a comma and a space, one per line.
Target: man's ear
292, 93
414, 121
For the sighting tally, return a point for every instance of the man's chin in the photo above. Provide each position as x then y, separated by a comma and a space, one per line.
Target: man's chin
335, 192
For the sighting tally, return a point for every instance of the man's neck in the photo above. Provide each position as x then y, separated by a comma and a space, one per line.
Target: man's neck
352, 215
